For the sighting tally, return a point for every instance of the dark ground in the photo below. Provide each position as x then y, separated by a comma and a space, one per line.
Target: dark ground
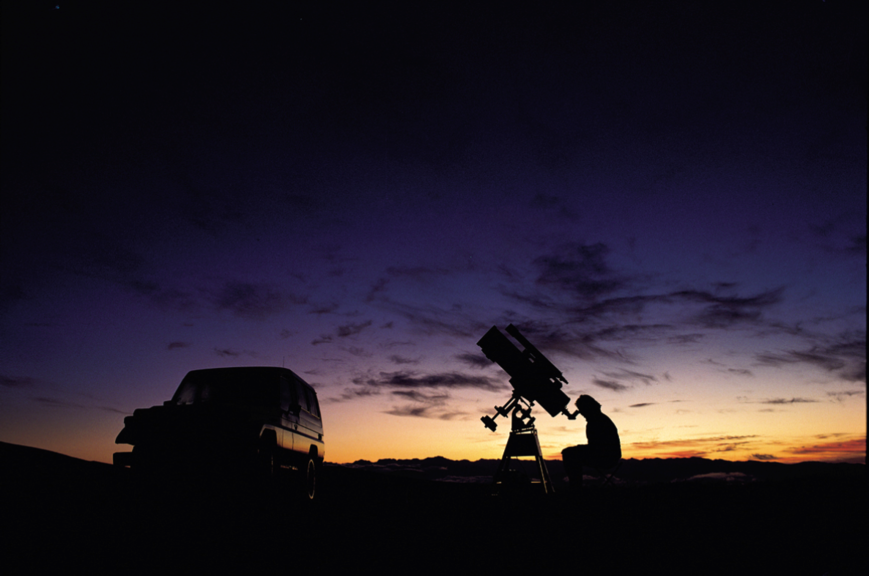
62, 513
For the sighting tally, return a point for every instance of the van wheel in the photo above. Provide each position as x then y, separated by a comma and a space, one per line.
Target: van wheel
311, 479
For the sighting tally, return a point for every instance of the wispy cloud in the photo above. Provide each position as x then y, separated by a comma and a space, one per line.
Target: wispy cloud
57, 403
610, 385
692, 447
343, 331
418, 396
17, 381
424, 405
352, 329
776, 401
740, 371
230, 353
580, 270
630, 375
845, 394
178, 345
851, 450
846, 357
404, 379
252, 301
396, 359
763, 457
474, 360
421, 273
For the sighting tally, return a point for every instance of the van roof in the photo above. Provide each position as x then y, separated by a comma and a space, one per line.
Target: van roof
253, 371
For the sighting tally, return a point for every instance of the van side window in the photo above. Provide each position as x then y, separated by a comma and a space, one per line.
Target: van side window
315, 406
302, 397
288, 395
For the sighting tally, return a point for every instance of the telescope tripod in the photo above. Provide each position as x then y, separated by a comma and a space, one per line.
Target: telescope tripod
522, 442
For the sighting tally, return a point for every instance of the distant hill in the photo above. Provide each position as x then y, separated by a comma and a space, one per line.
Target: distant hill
23, 464
631, 471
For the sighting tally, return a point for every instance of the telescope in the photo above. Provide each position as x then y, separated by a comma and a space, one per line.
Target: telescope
535, 380
533, 377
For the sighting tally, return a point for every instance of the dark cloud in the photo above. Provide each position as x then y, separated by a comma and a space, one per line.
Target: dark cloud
836, 237
554, 204
592, 290
113, 410
846, 356
423, 412
588, 321
324, 308
344, 331
610, 385
844, 395
474, 360
579, 269
304, 204
777, 401
454, 322
421, 273
417, 396
424, 406
700, 447
632, 332
722, 312
112, 259
57, 403
740, 371
566, 339
354, 393
396, 359
442, 380
252, 301
11, 290
411, 410
17, 381
844, 450
359, 352
630, 375
642, 405
229, 353
178, 345
352, 329
378, 290
764, 457
857, 246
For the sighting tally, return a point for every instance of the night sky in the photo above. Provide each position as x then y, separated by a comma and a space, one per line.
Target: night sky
667, 198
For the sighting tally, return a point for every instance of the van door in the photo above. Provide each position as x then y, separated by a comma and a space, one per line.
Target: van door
310, 429
289, 415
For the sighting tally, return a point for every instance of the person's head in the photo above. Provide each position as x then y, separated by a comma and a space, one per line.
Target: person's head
587, 405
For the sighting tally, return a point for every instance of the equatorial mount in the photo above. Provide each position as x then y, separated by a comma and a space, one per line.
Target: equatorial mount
516, 407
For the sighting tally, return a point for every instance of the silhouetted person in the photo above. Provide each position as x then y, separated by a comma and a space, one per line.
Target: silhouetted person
604, 450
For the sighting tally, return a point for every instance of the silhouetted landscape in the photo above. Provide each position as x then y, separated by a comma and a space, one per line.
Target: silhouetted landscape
682, 515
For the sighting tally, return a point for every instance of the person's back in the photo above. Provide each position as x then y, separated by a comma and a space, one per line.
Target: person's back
603, 439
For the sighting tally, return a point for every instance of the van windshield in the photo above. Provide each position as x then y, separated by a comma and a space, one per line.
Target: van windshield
230, 388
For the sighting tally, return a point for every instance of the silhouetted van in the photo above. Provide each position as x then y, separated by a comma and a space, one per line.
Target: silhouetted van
255, 422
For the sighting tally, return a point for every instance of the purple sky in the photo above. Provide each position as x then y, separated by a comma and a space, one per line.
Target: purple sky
669, 200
